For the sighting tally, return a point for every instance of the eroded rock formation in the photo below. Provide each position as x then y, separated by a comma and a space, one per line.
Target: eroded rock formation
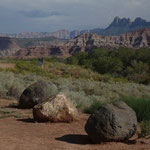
86, 42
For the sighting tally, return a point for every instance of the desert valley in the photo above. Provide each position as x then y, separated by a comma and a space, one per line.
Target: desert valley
82, 89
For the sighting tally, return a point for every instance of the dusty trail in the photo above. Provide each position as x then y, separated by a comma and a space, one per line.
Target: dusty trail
6, 65
24, 134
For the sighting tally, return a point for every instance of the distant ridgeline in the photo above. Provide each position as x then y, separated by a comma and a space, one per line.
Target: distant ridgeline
120, 26
84, 42
117, 27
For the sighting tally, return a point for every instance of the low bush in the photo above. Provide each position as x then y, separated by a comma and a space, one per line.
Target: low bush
145, 128
93, 107
140, 105
82, 92
13, 91
12, 85
3, 111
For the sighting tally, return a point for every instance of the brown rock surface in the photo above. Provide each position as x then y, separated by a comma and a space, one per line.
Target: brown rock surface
56, 109
42, 51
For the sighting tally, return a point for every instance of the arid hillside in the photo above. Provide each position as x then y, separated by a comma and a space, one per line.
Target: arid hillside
133, 40
7, 46
84, 42
87, 42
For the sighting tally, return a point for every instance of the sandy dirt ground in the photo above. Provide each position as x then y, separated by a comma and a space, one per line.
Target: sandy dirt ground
18, 131
6, 65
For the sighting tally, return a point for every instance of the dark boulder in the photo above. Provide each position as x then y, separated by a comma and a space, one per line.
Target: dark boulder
112, 122
36, 93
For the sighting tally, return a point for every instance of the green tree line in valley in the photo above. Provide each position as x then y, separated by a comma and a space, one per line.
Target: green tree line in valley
123, 62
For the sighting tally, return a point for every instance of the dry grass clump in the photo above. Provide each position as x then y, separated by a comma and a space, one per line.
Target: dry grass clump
145, 129
12, 85
81, 92
86, 95
55, 70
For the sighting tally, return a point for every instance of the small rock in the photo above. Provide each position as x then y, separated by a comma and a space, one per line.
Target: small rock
56, 109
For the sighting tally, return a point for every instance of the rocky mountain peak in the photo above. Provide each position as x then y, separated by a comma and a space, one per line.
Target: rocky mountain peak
126, 22
116, 20
120, 22
139, 20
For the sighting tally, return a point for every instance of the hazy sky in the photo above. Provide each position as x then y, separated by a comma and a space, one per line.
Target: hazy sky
51, 15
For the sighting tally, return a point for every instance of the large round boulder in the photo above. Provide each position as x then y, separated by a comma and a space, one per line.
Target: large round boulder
55, 109
112, 122
36, 93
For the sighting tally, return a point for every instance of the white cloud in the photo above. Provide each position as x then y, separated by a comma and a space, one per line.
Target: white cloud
50, 15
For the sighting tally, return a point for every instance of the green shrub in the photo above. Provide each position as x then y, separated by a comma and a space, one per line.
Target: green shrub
54, 70
13, 91
145, 128
122, 62
54, 59
108, 65
12, 85
3, 111
140, 105
82, 92
92, 108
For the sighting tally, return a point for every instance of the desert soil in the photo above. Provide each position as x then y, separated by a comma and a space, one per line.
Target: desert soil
18, 131
6, 65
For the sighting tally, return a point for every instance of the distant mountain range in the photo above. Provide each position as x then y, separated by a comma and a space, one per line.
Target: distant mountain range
61, 34
84, 42
120, 26
117, 27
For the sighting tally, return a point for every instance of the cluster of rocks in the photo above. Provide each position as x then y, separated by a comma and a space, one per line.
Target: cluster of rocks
112, 122
46, 104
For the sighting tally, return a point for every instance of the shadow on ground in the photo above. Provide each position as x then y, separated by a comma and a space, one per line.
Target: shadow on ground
75, 139
130, 142
27, 120
11, 106
84, 139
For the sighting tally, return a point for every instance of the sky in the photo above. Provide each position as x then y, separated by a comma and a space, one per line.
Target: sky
51, 15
